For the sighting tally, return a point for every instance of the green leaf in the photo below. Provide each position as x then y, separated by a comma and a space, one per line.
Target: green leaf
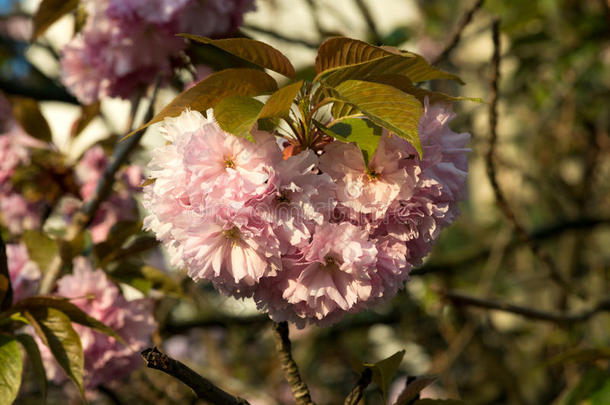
383, 371
341, 59
6, 289
31, 348
237, 114
50, 11
74, 313
27, 113
385, 106
588, 355
253, 51
358, 130
55, 330
121, 231
404, 84
413, 389
11, 367
280, 102
428, 401
208, 92
593, 383
41, 248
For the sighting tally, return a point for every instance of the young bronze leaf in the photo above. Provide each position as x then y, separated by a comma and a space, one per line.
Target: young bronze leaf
27, 113
65, 306
253, 51
386, 106
56, 331
340, 51
31, 348
359, 130
11, 367
50, 11
278, 105
403, 83
207, 93
237, 114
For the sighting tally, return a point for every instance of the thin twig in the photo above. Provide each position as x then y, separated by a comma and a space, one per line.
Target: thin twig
455, 39
541, 234
462, 299
86, 214
204, 388
299, 389
358, 391
491, 169
370, 22
281, 37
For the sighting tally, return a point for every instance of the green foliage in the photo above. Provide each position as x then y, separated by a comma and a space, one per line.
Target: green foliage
11, 367
41, 248
428, 401
50, 11
252, 51
360, 131
33, 352
592, 389
144, 278
55, 330
383, 371
384, 105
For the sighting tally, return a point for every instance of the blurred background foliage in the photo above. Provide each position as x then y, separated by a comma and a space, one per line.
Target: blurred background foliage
553, 165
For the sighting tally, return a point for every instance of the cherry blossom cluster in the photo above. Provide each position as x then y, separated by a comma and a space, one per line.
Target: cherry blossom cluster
23, 272
106, 359
310, 237
125, 44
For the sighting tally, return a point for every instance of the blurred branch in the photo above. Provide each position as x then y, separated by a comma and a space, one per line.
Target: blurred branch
358, 391
204, 388
462, 299
547, 232
6, 291
299, 389
47, 93
464, 21
222, 320
491, 168
102, 191
276, 35
370, 22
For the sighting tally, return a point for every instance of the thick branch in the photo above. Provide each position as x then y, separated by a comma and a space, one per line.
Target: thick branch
300, 392
358, 391
455, 39
370, 22
277, 35
462, 299
204, 388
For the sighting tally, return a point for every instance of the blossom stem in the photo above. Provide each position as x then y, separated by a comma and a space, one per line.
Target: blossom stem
204, 388
6, 291
299, 389
355, 396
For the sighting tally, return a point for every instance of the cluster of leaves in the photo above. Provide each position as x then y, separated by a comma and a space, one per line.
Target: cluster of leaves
367, 87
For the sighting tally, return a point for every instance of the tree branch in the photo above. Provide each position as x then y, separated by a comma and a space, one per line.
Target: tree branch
358, 391
492, 175
204, 388
370, 22
299, 389
6, 290
457, 35
276, 35
462, 299
86, 214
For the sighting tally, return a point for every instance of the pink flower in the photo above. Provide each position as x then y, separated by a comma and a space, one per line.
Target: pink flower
105, 358
214, 17
366, 190
328, 277
23, 272
16, 213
